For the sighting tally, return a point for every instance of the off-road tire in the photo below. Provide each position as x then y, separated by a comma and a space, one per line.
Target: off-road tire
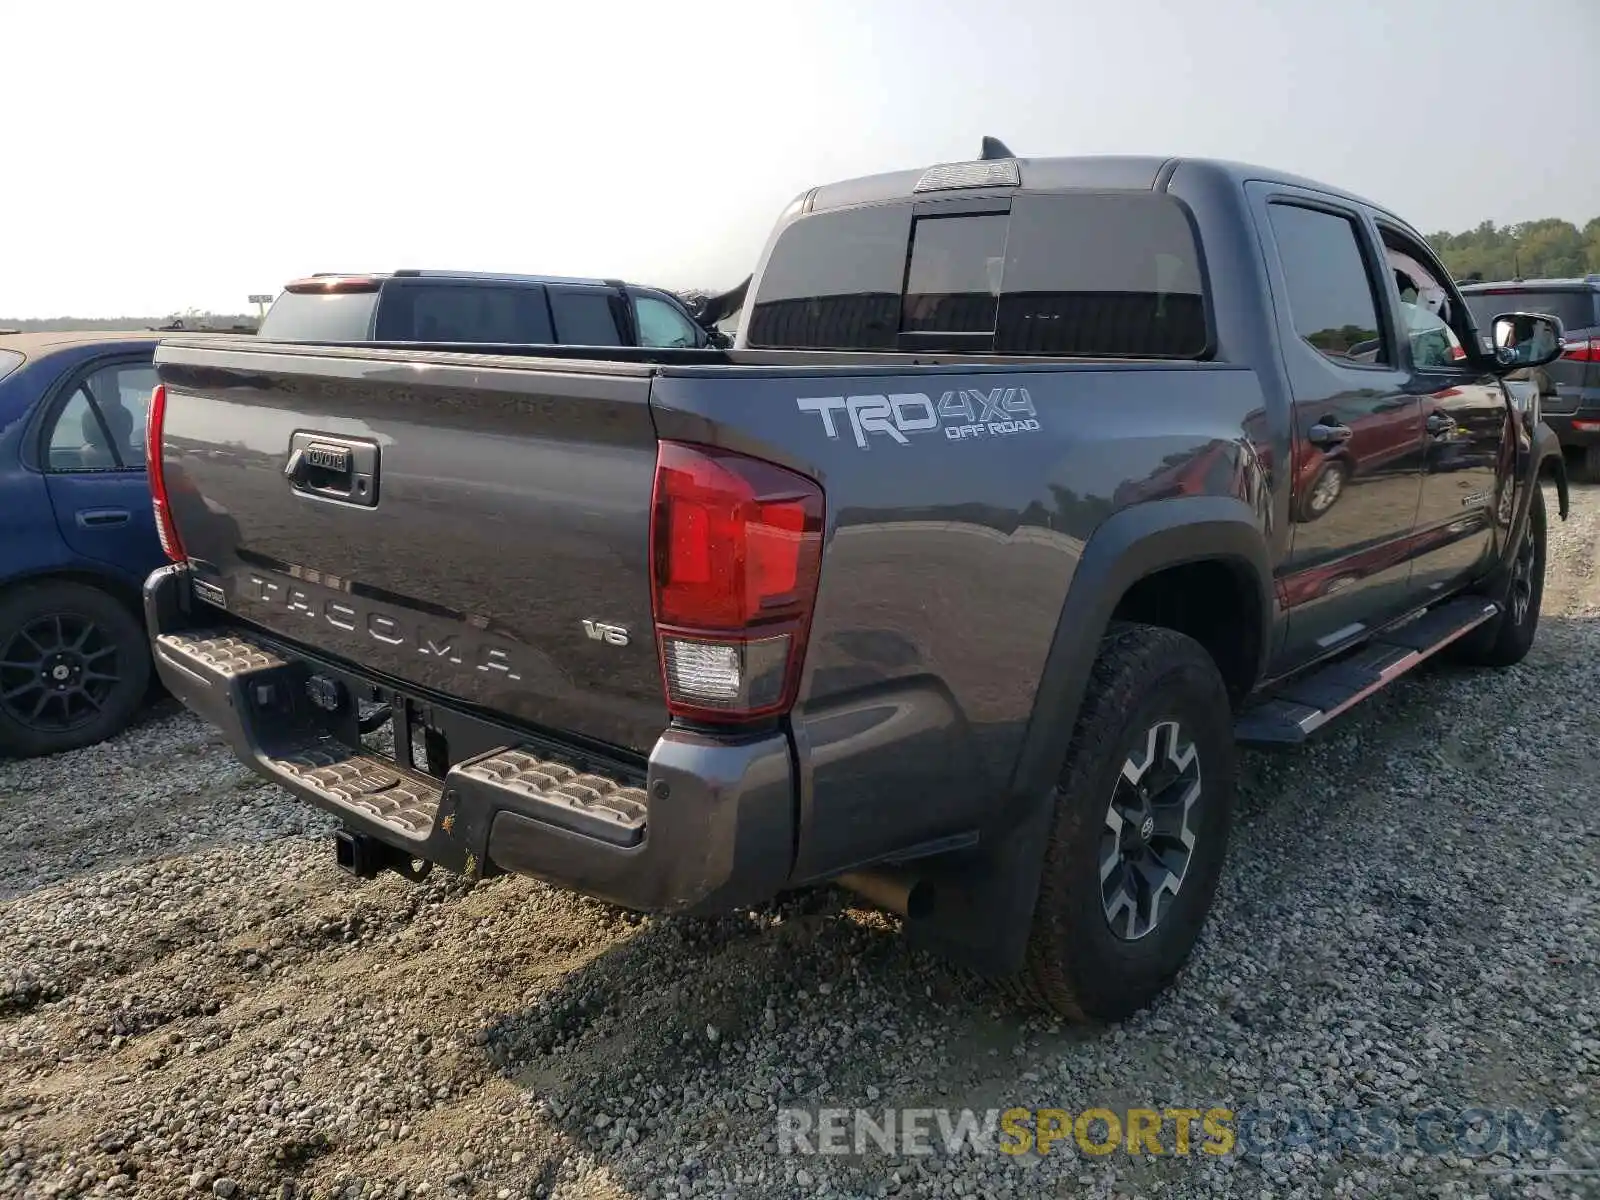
1075, 965
79, 605
1505, 640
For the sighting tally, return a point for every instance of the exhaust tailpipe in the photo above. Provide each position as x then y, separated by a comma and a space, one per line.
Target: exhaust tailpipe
899, 892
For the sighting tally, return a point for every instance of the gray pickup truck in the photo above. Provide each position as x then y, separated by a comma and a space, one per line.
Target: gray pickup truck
1030, 487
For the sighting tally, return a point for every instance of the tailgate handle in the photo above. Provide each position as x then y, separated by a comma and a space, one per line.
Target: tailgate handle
333, 468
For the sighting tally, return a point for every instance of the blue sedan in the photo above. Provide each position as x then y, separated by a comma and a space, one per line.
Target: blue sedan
77, 537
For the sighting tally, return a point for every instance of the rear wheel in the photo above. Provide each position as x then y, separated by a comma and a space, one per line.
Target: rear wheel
74, 668
1591, 462
1143, 809
1505, 640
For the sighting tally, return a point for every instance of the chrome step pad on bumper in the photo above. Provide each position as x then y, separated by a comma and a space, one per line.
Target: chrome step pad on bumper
404, 800
601, 807
447, 821
1305, 705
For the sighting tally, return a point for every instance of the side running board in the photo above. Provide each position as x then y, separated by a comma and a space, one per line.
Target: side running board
1305, 705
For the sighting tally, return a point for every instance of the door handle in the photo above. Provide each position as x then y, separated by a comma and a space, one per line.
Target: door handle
1438, 424
333, 468
1328, 433
101, 518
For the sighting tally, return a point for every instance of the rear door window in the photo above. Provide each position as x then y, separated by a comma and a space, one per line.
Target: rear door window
100, 427
122, 394
1081, 274
78, 441
584, 318
464, 313
10, 360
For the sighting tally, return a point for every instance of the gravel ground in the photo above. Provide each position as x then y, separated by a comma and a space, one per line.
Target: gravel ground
193, 1001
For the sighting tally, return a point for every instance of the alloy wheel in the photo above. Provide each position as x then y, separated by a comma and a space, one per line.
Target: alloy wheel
57, 672
1522, 577
1148, 838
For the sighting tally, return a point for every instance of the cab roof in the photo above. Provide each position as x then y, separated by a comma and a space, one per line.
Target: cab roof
484, 276
1140, 173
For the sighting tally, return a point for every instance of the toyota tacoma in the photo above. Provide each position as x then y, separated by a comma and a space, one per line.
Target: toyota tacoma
1029, 488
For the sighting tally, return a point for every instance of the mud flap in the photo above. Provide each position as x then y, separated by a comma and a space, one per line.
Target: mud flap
1559, 471
980, 907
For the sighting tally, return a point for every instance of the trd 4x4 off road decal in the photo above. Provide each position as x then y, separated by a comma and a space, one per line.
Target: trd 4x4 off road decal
963, 414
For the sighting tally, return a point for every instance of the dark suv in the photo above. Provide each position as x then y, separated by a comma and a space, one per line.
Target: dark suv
1569, 388
479, 308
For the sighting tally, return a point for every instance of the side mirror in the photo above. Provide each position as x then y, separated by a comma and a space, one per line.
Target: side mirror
1527, 340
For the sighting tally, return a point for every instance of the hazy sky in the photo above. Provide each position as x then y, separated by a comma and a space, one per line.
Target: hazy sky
161, 155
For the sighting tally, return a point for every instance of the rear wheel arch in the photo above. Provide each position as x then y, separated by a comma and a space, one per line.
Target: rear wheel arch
124, 591
1198, 565
983, 909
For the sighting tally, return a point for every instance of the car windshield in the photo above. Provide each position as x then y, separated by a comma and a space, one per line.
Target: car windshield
10, 360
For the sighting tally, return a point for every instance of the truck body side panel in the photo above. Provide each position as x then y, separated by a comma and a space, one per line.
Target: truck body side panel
950, 548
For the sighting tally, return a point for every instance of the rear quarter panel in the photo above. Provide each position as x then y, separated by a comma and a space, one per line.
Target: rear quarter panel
948, 559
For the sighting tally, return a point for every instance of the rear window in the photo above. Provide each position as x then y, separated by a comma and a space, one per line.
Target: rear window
310, 317
447, 312
1079, 274
10, 360
1575, 309
584, 318
953, 282
834, 282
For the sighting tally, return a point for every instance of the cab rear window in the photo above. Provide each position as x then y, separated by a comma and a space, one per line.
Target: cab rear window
10, 360
1074, 274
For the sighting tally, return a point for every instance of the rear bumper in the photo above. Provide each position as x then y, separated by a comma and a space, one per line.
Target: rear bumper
706, 825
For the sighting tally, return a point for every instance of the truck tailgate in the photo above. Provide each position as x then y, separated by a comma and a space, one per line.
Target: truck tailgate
473, 526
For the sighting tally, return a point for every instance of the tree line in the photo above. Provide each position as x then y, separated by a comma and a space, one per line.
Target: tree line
1546, 249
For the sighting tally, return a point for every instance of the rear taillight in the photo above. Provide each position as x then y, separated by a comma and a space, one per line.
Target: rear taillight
1586, 351
736, 550
154, 419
